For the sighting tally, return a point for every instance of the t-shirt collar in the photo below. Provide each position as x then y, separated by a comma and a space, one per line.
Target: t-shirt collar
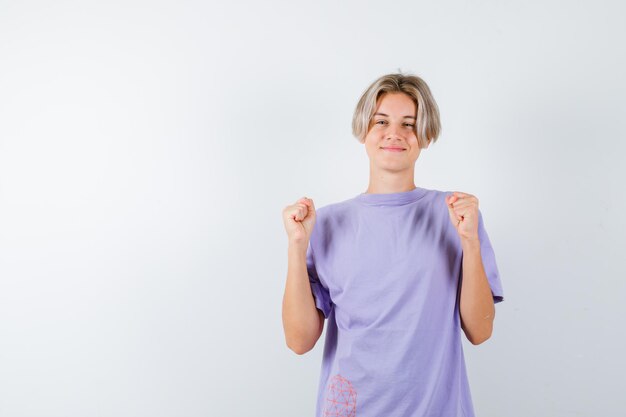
391, 199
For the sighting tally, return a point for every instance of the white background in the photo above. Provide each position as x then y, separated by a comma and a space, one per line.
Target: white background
147, 150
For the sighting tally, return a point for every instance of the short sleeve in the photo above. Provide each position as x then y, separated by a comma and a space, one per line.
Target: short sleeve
489, 261
320, 292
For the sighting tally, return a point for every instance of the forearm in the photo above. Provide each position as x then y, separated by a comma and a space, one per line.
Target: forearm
301, 320
476, 304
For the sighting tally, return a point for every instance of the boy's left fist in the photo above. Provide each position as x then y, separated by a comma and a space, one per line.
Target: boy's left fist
463, 210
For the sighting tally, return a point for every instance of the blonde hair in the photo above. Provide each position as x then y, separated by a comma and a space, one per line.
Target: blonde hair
427, 125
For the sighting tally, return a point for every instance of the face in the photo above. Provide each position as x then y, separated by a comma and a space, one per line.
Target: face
391, 143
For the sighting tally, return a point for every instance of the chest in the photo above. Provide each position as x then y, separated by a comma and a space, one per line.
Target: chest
392, 263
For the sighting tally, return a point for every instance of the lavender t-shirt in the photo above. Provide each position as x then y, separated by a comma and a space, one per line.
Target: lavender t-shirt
385, 269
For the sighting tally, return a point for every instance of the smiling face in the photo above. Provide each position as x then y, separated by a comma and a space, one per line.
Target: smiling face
391, 143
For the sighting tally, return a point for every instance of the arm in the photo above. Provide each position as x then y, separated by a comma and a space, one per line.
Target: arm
303, 323
476, 305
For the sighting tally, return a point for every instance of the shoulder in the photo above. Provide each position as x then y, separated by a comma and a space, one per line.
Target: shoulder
440, 194
435, 199
332, 210
333, 218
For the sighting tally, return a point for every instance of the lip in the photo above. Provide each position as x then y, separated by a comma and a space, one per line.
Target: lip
393, 149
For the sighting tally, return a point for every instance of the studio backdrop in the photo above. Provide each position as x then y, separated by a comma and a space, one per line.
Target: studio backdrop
147, 150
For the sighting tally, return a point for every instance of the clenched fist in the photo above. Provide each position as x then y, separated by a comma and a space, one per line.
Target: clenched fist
299, 219
463, 210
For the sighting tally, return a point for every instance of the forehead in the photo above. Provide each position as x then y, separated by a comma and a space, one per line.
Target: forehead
390, 103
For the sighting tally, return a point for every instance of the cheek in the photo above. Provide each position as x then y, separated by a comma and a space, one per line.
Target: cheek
371, 142
415, 149
371, 148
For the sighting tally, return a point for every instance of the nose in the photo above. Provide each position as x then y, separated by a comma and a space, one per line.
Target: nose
392, 133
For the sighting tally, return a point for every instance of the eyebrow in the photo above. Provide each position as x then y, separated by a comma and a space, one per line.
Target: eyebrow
386, 115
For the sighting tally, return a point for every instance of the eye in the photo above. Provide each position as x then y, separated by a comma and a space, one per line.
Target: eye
410, 124
381, 121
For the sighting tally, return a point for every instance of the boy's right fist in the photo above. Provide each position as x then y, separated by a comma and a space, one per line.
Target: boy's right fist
299, 219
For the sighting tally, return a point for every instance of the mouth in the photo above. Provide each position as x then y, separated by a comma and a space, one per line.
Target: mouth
393, 149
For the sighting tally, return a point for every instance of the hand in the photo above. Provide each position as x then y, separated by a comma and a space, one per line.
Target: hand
299, 219
463, 210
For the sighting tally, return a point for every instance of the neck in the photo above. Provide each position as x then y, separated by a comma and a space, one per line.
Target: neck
389, 183
386, 181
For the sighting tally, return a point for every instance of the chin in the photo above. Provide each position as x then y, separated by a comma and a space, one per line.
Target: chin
386, 165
